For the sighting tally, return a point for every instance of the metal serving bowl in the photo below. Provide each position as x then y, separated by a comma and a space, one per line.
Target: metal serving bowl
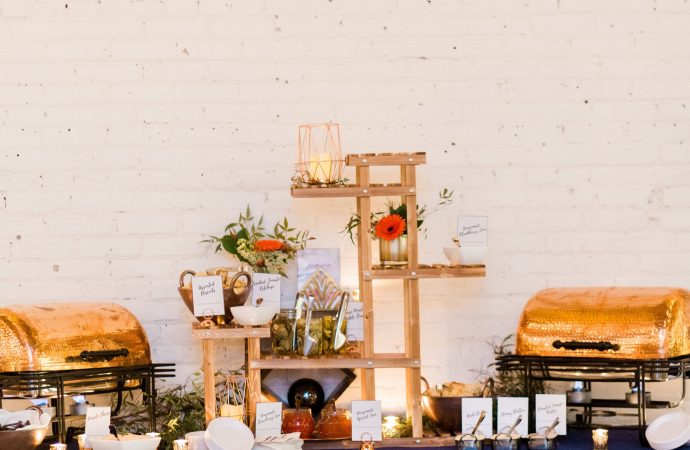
23, 439
447, 411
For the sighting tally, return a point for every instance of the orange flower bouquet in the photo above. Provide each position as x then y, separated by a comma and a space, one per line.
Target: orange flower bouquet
391, 224
264, 252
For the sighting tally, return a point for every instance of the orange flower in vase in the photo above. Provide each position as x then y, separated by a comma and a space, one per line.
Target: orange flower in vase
269, 245
390, 227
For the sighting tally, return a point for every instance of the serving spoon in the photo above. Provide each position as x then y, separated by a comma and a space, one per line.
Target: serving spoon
479, 421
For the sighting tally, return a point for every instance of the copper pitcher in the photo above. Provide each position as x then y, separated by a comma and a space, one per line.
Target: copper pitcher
234, 295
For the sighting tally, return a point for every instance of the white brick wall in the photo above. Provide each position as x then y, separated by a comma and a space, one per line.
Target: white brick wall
131, 130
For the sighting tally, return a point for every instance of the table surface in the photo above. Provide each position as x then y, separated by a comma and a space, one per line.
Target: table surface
578, 439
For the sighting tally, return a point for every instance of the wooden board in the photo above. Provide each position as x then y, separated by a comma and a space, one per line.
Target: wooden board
430, 272
375, 362
351, 191
385, 159
230, 333
446, 441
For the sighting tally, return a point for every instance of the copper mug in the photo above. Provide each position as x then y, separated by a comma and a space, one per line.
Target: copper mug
234, 295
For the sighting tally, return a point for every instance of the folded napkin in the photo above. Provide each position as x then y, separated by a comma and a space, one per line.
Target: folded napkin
28, 415
289, 441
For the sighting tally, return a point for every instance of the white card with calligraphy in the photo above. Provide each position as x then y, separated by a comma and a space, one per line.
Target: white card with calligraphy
266, 286
207, 296
509, 409
548, 408
472, 408
366, 420
355, 321
473, 231
97, 421
269, 419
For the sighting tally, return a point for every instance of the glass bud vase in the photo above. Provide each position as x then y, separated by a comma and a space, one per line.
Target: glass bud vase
393, 252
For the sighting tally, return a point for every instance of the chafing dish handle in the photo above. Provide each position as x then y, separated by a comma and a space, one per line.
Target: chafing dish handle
101, 355
579, 345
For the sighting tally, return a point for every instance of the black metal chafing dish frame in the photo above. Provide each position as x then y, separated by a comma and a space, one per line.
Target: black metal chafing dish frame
87, 381
638, 371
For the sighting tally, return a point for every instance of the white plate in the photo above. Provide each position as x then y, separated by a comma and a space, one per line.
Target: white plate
225, 433
669, 431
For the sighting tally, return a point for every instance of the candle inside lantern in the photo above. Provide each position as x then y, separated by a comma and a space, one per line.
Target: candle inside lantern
390, 425
600, 438
320, 168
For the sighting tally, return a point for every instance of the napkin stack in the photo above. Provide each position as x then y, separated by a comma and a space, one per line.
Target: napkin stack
289, 441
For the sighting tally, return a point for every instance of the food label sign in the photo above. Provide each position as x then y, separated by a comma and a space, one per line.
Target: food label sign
97, 421
266, 290
366, 420
472, 408
509, 409
473, 231
355, 321
268, 419
549, 407
207, 295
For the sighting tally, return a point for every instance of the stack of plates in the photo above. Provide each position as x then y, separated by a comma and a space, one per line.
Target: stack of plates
669, 431
224, 433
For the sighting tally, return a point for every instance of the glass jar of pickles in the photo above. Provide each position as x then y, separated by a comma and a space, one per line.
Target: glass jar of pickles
282, 332
329, 324
309, 336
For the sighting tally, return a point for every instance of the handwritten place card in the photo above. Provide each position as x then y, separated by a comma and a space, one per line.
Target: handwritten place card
472, 408
355, 321
269, 419
473, 231
509, 408
266, 286
548, 407
207, 295
366, 420
97, 421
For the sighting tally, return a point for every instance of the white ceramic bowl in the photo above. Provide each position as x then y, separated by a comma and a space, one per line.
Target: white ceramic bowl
252, 315
669, 431
196, 440
465, 256
126, 442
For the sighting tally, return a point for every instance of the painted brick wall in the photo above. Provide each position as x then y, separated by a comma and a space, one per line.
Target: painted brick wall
130, 130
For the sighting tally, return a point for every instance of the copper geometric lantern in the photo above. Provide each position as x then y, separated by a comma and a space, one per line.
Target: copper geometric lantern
319, 157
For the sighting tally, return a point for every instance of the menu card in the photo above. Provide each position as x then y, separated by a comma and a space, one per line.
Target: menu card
207, 296
97, 421
509, 409
266, 286
473, 231
366, 420
269, 419
549, 407
472, 408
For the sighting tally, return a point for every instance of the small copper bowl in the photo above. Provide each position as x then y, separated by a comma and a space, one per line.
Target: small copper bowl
23, 439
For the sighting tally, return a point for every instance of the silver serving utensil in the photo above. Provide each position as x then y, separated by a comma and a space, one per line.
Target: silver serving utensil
300, 303
339, 338
517, 422
479, 421
551, 427
309, 342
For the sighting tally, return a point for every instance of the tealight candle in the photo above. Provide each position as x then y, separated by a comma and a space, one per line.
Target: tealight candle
153, 434
390, 425
600, 438
58, 446
81, 441
181, 444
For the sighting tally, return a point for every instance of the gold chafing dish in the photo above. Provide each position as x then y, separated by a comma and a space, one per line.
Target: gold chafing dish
609, 322
68, 336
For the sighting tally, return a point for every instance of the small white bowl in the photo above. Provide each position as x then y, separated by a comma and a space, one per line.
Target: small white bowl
126, 442
669, 431
252, 315
465, 256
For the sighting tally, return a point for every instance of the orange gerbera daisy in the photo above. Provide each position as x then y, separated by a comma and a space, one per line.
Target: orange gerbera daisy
268, 245
390, 227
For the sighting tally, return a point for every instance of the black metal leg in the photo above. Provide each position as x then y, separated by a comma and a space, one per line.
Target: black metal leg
60, 410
